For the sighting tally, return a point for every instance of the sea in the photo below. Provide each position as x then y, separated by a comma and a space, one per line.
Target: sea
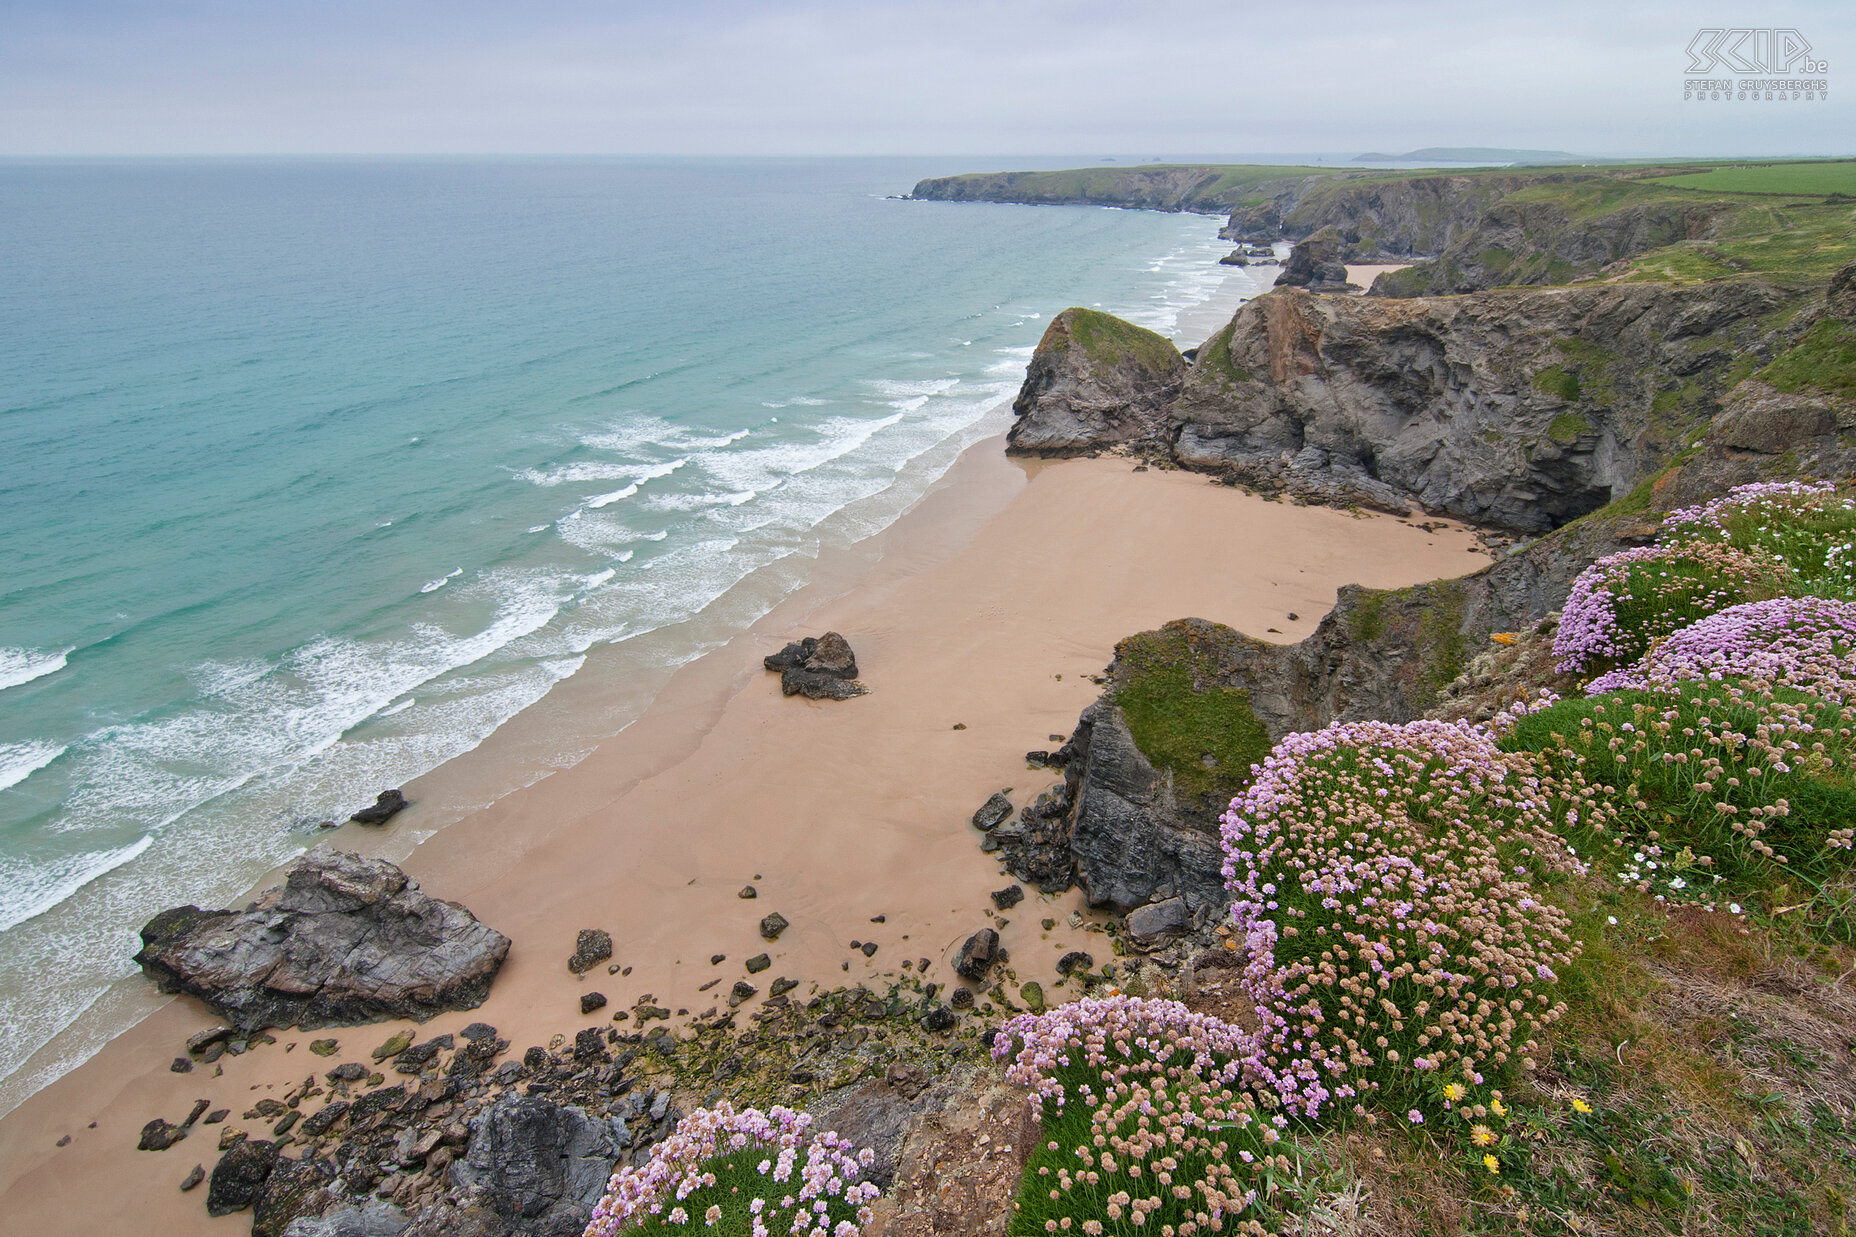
314, 473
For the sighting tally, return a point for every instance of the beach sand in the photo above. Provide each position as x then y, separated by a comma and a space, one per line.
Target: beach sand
1364, 275
988, 606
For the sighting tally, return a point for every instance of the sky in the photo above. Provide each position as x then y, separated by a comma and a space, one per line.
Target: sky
1168, 78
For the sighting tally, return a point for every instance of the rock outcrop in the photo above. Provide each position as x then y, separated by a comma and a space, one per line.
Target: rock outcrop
1518, 408
1094, 381
818, 668
344, 940
1315, 263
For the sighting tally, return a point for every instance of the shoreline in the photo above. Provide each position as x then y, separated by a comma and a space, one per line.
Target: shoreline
557, 730
986, 605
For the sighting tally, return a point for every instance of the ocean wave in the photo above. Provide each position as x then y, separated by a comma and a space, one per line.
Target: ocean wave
432, 586
19, 761
259, 718
18, 666
29, 889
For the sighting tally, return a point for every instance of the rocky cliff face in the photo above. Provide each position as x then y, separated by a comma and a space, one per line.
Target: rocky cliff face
1384, 220
1518, 408
1197, 188
1094, 381
1520, 243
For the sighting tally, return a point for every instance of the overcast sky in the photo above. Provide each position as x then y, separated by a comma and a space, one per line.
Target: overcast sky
980, 77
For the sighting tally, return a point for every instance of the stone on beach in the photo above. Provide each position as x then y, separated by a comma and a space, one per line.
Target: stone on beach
993, 811
591, 947
344, 940
819, 668
386, 806
977, 954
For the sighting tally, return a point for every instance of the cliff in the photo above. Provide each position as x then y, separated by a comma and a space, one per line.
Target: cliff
1201, 188
1465, 231
1522, 409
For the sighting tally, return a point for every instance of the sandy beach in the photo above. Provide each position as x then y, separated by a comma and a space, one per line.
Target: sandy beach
1365, 274
986, 607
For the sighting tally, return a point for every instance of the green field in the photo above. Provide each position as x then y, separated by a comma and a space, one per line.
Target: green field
1838, 176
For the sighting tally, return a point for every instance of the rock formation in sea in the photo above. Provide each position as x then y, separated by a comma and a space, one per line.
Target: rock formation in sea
343, 940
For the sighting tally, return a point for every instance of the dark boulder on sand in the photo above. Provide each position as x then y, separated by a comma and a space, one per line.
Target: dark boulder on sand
818, 668
387, 805
976, 956
344, 940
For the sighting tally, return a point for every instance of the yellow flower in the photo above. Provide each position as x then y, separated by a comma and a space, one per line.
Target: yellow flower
1482, 1135
1580, 1105
1505, 637
1491, 1163
1496, 1107
1454, 1091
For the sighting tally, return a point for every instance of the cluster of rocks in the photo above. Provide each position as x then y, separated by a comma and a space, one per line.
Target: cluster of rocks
344, 940
818, 668
455, 1148
1247, 255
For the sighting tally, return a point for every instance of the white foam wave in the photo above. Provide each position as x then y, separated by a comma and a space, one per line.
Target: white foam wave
19, 666
19, 761
29, 889
797, 401
401, 707
432, 586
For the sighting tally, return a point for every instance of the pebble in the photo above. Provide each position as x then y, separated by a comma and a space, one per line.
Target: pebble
590, 1001
193, 1178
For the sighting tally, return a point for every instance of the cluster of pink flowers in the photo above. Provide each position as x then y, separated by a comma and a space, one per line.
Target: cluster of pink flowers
1703, 766
1098, 1032
808, 1182
1181, 1132
1381, 893
1624, 602
1807, 643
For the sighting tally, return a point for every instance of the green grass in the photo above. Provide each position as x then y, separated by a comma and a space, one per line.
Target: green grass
1558, 382
1206, 735
1567, 427
1836, 176
1824, 360
1215, 358
1109, 341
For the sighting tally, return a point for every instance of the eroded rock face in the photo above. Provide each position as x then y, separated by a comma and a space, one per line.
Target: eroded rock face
537, 1163
1129, 839
1093, 382
1521, 409
344, 940
1316, 263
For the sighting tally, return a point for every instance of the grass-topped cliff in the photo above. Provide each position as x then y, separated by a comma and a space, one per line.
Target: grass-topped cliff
1483, 228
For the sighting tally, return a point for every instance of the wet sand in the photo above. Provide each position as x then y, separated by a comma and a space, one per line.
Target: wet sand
986, 606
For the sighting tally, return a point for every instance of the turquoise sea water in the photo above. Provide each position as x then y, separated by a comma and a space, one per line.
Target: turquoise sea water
314, 473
